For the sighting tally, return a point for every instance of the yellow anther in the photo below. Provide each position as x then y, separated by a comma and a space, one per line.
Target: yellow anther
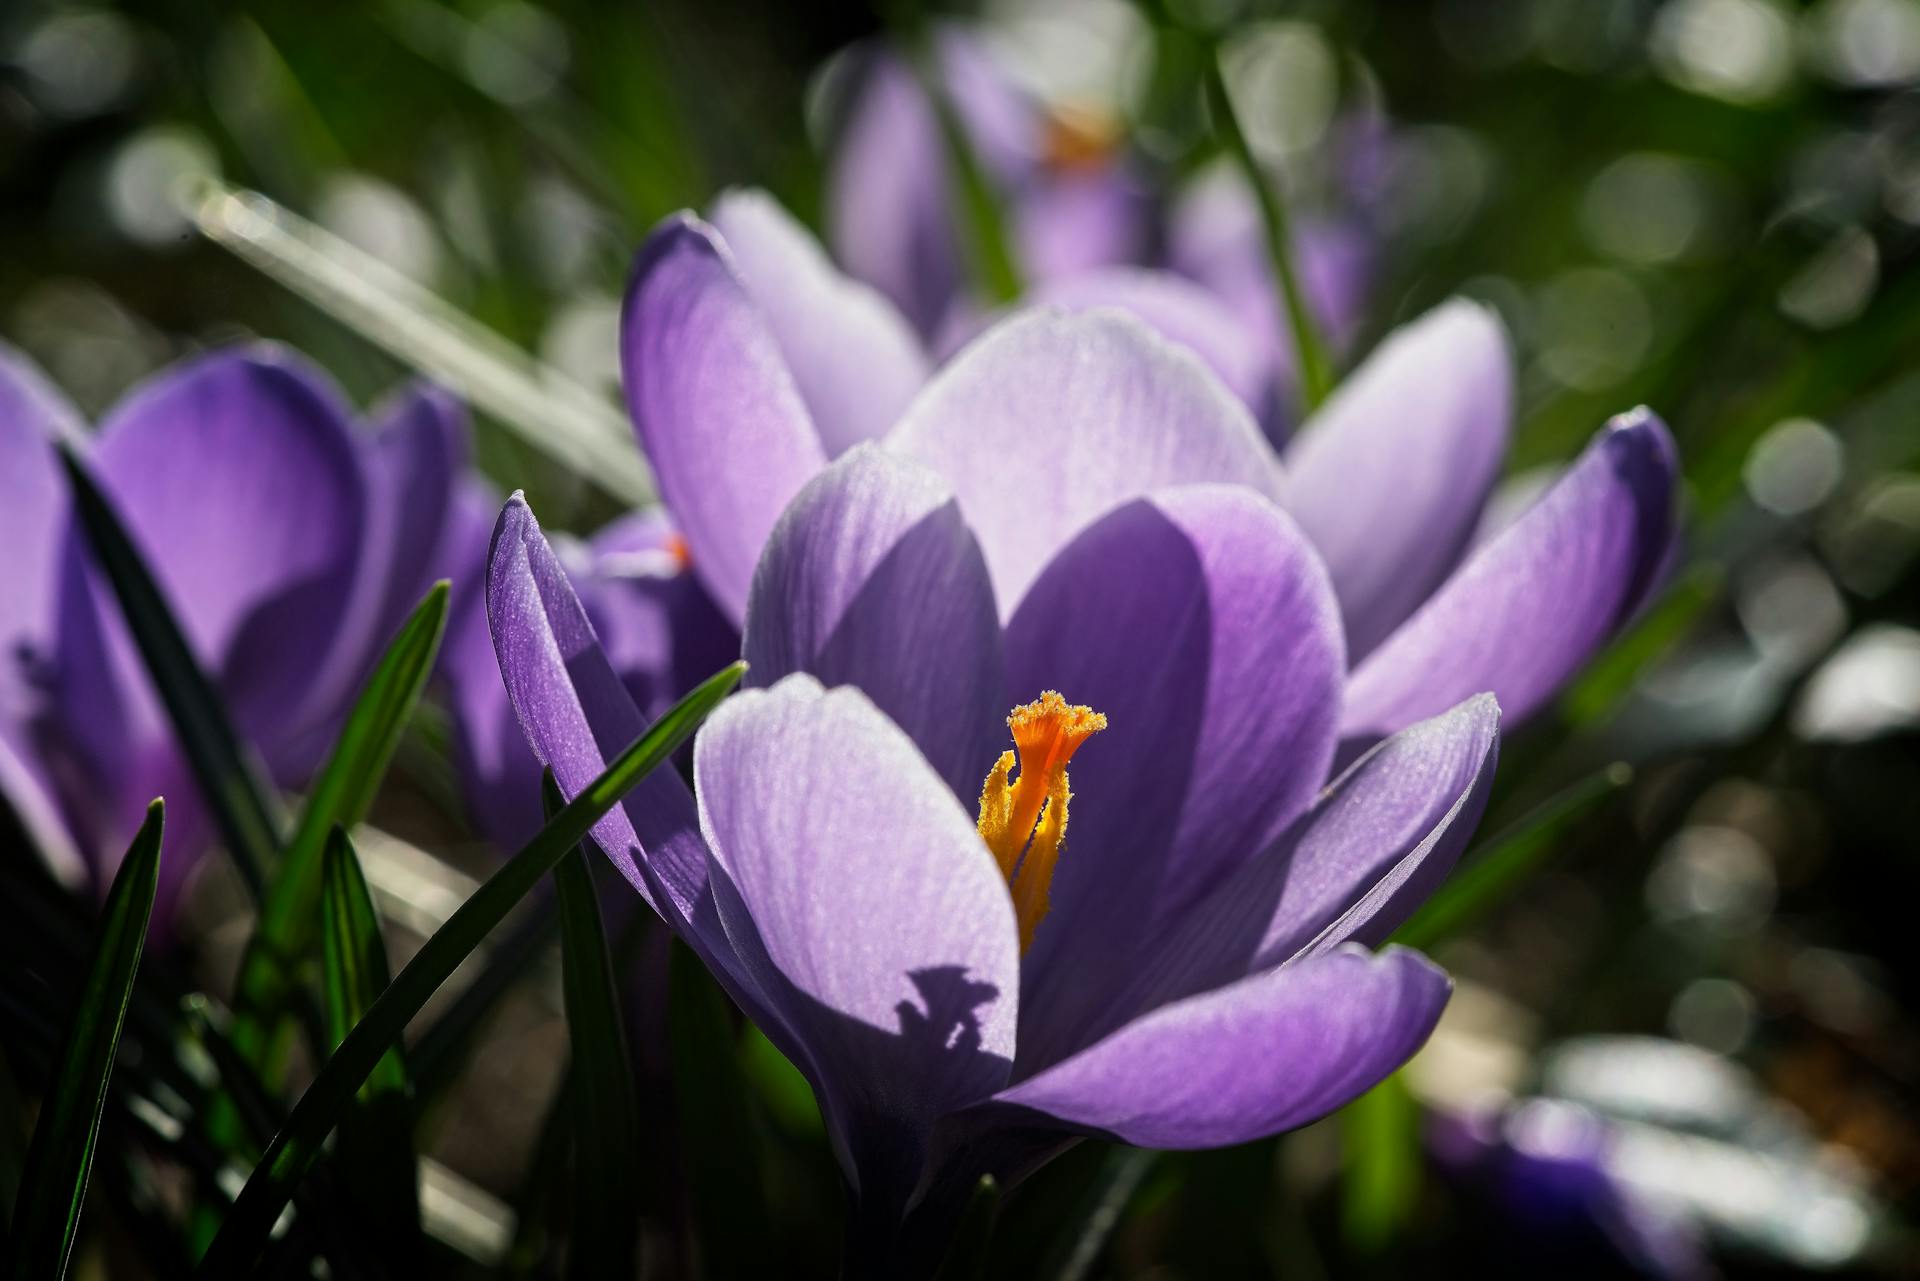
1023, 821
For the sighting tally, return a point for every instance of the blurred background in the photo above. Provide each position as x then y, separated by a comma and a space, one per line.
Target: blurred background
1684, 1041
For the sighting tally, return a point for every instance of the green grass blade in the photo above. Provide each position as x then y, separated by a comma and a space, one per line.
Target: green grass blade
60, 1157
238, 799
606, 1129
340, 797
375, 1154
549, 410
1486, 878
1310, 350
298, 1144
1380, 1177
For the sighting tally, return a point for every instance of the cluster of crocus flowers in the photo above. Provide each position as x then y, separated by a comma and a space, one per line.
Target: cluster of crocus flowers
1269, 693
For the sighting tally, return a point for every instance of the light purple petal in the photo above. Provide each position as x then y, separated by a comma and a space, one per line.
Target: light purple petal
855, 886
717, 409
872, 579
1375, 845
1201, 624
574, 710
856, 360
1052, 419
1173, 306
1527, 609
262, 580
499, 774
1390, 477
1266, 1054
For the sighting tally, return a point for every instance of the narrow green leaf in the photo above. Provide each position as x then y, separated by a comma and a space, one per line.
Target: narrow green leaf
440, 1053
340, 797
1504, 861
542, 405
1594, 696
606, 1131
1087, 1234
240, 802
298, 1144
1316, 370
60, 1157
1380, 1176
375, 1154
973, 1238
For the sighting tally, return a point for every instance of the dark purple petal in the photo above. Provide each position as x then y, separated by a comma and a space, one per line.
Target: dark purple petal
32, 520
1052, 419
717, 409
420, 452
661, 630
262, 580
865, 905
854, 357
872, 579
1201, 624
29, 793
1390, 476
1527, 609
1266, 1054
1352, 869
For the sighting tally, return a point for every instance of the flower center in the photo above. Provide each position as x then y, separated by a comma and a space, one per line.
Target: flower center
1028, 816
1079, 138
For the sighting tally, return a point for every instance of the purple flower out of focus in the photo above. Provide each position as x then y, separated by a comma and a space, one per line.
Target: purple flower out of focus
1085, 228
290, 544
1073, 504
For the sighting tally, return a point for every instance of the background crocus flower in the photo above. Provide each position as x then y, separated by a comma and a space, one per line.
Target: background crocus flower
288, 542
1051, 419
1080, 215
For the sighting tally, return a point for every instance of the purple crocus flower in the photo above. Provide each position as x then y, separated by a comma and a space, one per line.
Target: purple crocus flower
1077, 505
289, 543
726, 378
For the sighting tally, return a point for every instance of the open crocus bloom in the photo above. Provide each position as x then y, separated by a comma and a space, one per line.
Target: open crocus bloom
289, 544
1051, 418
964, 970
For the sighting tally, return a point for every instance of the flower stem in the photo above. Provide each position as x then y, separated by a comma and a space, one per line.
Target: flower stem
983, 231
1316, 370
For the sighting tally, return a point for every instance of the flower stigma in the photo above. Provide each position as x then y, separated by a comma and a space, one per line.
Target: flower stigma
1029, 814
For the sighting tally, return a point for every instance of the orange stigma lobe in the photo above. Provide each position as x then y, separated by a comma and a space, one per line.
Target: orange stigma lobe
1024, 820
